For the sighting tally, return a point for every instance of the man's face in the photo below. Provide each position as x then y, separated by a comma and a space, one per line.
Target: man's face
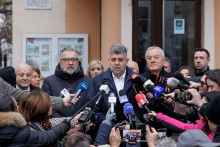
69, 61
166, 66
201, 60
154, 60
118, 64
23, 77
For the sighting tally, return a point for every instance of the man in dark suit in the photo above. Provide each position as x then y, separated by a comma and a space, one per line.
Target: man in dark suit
118, 77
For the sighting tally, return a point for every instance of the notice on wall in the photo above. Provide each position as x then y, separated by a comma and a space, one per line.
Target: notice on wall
179, 26
38, 4
38, 53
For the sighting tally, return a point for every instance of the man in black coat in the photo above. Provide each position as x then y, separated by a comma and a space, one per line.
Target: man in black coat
68, 74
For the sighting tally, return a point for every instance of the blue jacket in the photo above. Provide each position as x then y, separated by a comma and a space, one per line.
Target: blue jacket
128, 88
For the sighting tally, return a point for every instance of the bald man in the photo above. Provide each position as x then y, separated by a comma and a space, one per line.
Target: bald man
23, 73
134, 66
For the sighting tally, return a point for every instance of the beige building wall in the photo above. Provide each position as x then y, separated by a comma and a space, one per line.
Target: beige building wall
83, 16
217, 34
35, 21
110, 27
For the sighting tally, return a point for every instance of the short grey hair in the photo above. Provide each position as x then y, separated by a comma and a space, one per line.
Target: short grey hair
118, 49
69, 49
155, 47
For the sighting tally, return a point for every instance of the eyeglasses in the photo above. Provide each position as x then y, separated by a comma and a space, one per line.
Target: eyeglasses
68, 59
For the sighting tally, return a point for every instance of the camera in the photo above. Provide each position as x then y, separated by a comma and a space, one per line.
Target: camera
85, 116
182, 97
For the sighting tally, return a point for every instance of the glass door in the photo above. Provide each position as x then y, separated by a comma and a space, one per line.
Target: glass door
173, 25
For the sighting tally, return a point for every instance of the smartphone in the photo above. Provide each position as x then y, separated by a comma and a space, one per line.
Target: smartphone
182, 97
132, 135
85, 116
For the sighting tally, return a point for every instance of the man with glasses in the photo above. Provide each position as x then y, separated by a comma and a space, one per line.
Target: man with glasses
68, 74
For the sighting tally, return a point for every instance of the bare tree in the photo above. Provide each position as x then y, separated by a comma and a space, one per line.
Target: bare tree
5, 29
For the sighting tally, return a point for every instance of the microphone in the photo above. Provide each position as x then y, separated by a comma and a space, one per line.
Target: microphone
156, 91
128, 109
65, 92
141, 82
112, 101
146, 119
180, 76
81, 88
158, 79
142, 102
138, 81
123, 97
174, 83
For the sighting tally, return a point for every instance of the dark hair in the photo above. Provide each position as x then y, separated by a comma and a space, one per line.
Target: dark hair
35, 106
202, 50
213, 75
77, 139
6, 103
191, 73
34, 68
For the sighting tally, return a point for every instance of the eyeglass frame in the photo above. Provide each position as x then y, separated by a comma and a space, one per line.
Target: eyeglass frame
68, 59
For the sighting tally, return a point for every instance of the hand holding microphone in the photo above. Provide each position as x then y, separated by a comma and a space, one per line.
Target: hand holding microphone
81, 88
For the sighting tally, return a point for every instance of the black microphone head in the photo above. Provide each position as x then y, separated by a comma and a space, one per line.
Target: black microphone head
122, 92
180, 76
139, 83
150, 87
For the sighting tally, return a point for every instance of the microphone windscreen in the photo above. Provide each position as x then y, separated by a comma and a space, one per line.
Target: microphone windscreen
128, 108
180, 76
150, 87
122, 92
138, 97
83, 86
172, 82
146, 119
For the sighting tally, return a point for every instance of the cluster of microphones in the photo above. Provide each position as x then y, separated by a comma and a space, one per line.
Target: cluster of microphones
143, 86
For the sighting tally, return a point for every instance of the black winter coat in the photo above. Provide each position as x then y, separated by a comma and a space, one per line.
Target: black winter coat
54, 84
14, 132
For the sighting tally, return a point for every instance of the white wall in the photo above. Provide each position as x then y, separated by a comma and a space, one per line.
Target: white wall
35, 21
126, 25
208, 35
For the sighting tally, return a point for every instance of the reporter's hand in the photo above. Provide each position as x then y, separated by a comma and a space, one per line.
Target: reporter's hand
68, 98
196, 98
149, 95
115, 138
193, 84
109, 116
74, 130
170, 97
76, 118
151, 137
152, 115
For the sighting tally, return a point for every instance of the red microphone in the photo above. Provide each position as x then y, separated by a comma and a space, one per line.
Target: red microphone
142, 102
